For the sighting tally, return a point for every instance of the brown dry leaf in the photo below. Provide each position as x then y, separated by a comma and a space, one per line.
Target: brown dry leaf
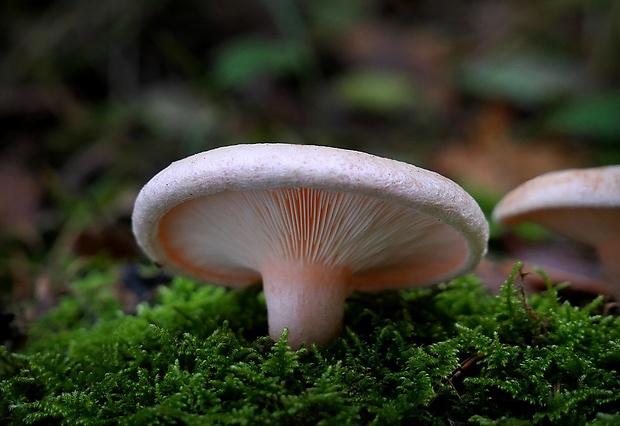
493, 273
493, 159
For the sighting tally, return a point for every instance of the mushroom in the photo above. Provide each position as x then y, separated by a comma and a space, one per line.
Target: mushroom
582, 204
312, 222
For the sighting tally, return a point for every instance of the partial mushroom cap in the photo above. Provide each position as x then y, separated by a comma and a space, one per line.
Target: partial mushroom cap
307, 220
583, 204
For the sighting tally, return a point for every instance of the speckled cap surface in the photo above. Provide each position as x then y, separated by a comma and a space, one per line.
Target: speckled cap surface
185, 202
571, 188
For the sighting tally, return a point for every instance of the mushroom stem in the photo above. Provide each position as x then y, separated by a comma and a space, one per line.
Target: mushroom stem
307, 299
609, 254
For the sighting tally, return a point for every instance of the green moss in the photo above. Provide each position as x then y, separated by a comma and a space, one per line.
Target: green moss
199, 355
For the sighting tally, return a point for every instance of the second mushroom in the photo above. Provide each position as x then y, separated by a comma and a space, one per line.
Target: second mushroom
313, 223
582, 204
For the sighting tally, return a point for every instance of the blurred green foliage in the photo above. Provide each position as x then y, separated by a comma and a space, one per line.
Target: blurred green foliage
594, 116
528, 80
242, 62
385, 93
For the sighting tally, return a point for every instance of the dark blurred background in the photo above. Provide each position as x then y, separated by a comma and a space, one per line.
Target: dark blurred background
97, 96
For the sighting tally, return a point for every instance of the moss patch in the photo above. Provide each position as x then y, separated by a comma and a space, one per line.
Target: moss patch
199, 355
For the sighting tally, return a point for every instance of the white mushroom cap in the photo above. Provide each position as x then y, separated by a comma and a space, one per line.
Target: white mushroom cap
583, 204
312, 222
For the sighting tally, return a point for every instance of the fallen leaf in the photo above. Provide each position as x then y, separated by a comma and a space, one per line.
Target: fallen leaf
494, 159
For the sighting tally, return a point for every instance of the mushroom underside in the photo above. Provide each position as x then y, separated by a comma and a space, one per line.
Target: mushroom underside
594, 226
310, 247
231, 237
589, 225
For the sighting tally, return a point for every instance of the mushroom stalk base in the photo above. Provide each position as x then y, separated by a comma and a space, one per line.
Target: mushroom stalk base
306, 299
